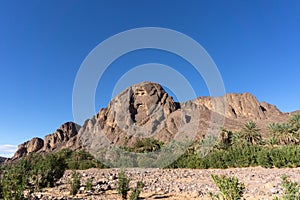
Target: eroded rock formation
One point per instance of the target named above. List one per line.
(63, 137)
(146, 110)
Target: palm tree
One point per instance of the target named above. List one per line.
(274, 133)
(237, 139)
(294, 121)
(225, 138)
(251, 134)
(283, 133)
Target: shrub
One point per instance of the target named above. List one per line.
(74, 183)
(89, 185)
(137, 191)
(14, 181)
(147, 145)
(123, 184)
(80, 160)
(48, 170)
(291, 190)
(230, 187)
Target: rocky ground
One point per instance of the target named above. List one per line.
(173, 184)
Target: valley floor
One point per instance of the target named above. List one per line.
(261, 183)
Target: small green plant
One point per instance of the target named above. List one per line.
(135, 194)
(1, 193)
(89, 185)
(230, 187)
(123, 184)
(291, 190)
(74, 183)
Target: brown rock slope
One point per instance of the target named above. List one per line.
(64, 137)
(146, 110)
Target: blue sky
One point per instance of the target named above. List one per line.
(255, 44)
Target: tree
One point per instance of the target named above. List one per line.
(225, 139)
(283, 133)
(15, 179)
(251, 134)
(294, 121)
(48, 170)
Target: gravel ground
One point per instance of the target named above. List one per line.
(174, 184)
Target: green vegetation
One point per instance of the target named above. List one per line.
(123, 187)
(137, 191)
(74, 183)
(230, 188)
(251, 134)
(291, 190)
(246, 148)
(35, 172)
(123, 184)
(145, 146)
(89, 185)
(14, 181)
(286, 133)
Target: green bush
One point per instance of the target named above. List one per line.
(48, 170)
(14, 181)
(80, 160)
(89, 185)
(230, 187)
(74, 183)
(135, 194)
(123, 184)
(242, 156)
(291, 190)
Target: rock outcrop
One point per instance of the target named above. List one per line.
(63, 137)
(140, 111)
(145, 110)
(30, 146)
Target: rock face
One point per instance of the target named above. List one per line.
(145, 110)
(30, 146)
(243, 106)
(64, 137)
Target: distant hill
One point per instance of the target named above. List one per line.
(147, 110)
(2, 159)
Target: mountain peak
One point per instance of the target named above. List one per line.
(146, 110)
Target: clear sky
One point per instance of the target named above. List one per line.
(255, 44)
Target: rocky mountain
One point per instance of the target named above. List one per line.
(146, 110)
(64, 137)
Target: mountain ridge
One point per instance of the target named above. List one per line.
(147, 107)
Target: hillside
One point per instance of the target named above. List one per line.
(146, 110)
